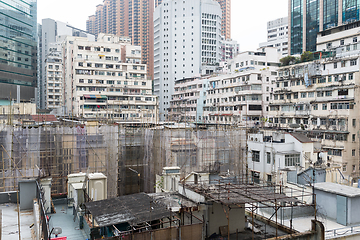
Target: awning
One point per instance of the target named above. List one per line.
(95, 96)
(335, 147)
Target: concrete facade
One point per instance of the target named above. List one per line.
(187, 38)
(106, 79)
(328, 203)
(229, 49)
(242, 96)
(187, 102)
(127, 18)
(277, 35)
(321, 98)
(271, 154)
(51, 30)
(341, 38)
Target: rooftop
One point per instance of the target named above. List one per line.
(10, 230)
(242, 193)
(338, 189)
(133, 209)
(301, 137)
(64, 219)
(173, 200)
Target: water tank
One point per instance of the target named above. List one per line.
(97, 186)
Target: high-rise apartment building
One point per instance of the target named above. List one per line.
(225, 20)
(18, 47)
(127, 18)
(228, 49)
(187, 38)
(50, 32)
(277, 35)
(106, 79)
(308, 17)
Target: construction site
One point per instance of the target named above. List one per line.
(130, 155)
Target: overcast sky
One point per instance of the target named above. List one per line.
(249, 18)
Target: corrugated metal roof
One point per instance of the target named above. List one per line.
(133, 209)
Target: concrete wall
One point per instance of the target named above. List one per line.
(285, 213)
(8, 197)
(28, 191)
(326, 204)
(217, 218)
(353, 211)
(317, 233)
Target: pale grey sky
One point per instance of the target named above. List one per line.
(249, 18)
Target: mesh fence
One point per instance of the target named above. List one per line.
(130, 157)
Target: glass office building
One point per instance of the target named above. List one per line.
(296, 29)
(18, 49)
(331, 13)
(350, 11)
(305, 20)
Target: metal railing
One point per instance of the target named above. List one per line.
(341, 232)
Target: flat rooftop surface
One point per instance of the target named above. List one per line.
(64, 219)
(10, 230)
(303, 224)
(338, 189)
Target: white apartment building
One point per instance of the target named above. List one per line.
(277, 35)
(106, 79)
(339, 38)
(243, 96)
(51, 30)
(321, 97)
(187, 38)
(270, 153)
(54, 78)
(228, 49)
(266, 57)
(187, 102)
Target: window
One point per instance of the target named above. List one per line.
(351, 76)
(268, 158)
(335, 65)
(292, 159)
(353, 152)
(353, 62)
(256, 156)
(324, 106)
(354, 122)
(344, 168)
(353, 137)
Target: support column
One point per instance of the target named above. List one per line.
(321, 16)
(340, 12)
(304, 26)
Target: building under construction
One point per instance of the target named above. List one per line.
(130, 155)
